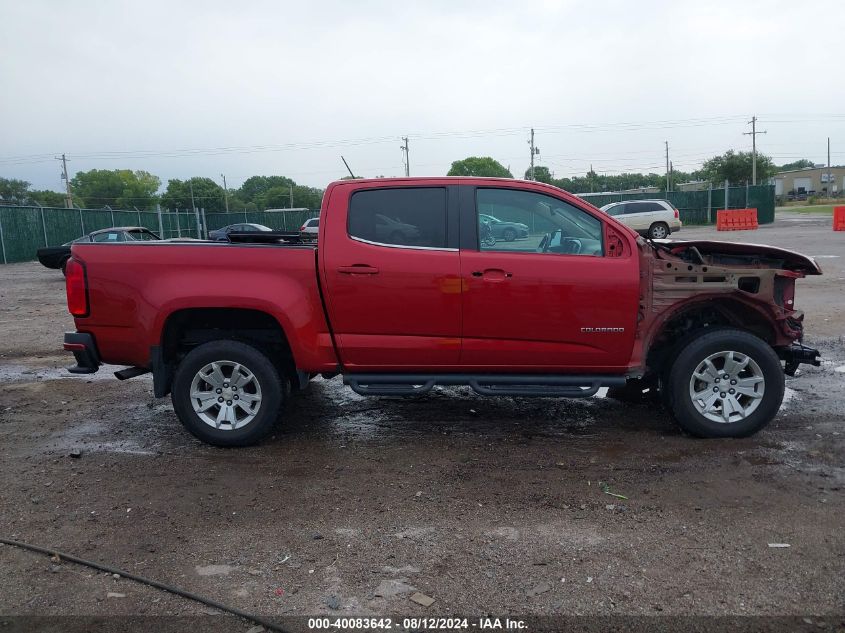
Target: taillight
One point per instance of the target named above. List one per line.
(301, 228)
(677, 213)
(77, 288)
(789, 295)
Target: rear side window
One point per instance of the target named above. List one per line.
(636, 207)
(111, 236)
(399, 217)
(644, 207)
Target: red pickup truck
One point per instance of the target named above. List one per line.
(406, 289)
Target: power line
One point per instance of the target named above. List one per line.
(550, 129)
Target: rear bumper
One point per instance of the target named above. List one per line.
(84, 351)
(797, 354)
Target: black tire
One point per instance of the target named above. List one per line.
(658, 231)
(509, 235)
(695, 352)
(265, 373)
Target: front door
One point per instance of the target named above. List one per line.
(392, 279)
(551, 301)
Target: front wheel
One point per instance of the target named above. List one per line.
(725, 383)
(509, 235)
(227, 393)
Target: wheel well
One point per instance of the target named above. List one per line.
(186, 329)
(704, 316)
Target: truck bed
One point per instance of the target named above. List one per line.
(134, 288)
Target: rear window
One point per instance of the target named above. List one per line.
(399, 217)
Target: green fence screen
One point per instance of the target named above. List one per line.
(699, 207)
(23, 230)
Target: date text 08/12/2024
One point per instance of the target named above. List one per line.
(418, 623)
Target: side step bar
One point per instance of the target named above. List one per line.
(569, 386)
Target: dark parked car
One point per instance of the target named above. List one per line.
(222, 234)
(57, 256)
(508, 231)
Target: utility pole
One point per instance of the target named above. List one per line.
(829, 177)
(68, 196)
(290, 189)
(225, 192)
(668, 179)
(535, 151)
(407, 160)
(753, 133)
(193, 204)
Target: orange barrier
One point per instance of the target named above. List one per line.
(839, 218)
(736, 219)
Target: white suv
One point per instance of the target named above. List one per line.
(654, 218)
(310, 228)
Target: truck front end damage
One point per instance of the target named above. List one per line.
(697, 284)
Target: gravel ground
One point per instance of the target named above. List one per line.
(488, 506)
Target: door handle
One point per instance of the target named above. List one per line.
(358, 269)
(492, 274)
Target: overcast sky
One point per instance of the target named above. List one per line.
(245, 88)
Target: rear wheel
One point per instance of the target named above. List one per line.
(227, 393)
(725, 383)
(658, 231)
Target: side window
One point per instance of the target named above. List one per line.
(535, 223)
(399, 217)
(110, 236)
(636, 207)
(618, 209)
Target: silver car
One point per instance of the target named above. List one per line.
(656, 219)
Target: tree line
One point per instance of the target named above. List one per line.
(127, 189)
(735, 167)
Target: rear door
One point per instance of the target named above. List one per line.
(555, 301)
(392, 277)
